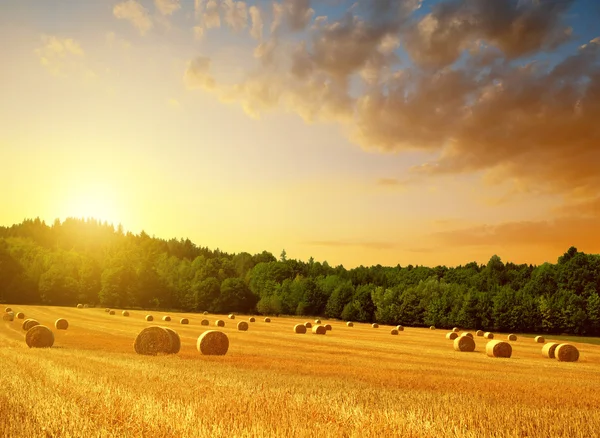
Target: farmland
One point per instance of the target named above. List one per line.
(354, 381)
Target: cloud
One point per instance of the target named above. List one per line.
(60, 56)
(135, 13)
(167, 7)
(236, 14)
(197, 74)
(211, 18)
(256, 29)
(113, 40)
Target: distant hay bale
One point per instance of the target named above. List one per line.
(107, 310)
(231, 316)
(512, 337)
(166, 318)
(488, 335)
(300, 328)
(451, 336)
(375, 325)
(432, 327)
(566, 353)
(455, 329)
(399, 328)
(28, 323)
(548, 350)
(213, 343)
(220, 323)
(80, 306)
(319, 329)
(39, 336)
(540, 339)
(393, 332)
(175, 341)
(464, 343)
(8, 309)
(20, 315)
(85, 306)
(184, 321)
(498, 349)
(152, 341)
(149, 318)
(328, 327)
(479, 332)
(205, 313)
(205, 322)
(350, 324)
(317, 321)
(125, 313)
(8, 317)
(252, 319)
(307, 325)
(470, 335)
(112, 312)
(267, 319)
(61, 324)
(242, 326)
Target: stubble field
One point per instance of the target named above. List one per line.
(353, 382)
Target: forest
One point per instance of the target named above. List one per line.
(92, 262)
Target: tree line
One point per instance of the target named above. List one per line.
(88, 261)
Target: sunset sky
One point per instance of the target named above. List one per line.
(361, 133)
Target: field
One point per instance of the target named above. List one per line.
(353, 382)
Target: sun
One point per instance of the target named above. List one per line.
(96, 201)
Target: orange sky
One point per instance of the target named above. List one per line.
(357, 135)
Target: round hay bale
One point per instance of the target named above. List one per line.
(149, 318)
(540, 339)
(300, 328)
(61, 324)
(548, 350)
(220, 323)
(432, 327)
(393, 332)
(125, 313)
(112, 312)
(451, 336)
(184, 321)
(488, 335)
(455, 329)
(375, 325)
(464, 343)
(28, 323)
(8, 317)
(231, 316)
(205, 313)
(566, 353)
(85, 306)
(512, 337)
(166, 318)
(152, 341)
(205, 322)
(267, 319)
(39, 336)
(8, 309)
(175, 341)
(350, 324)
(399, 328)
(80, 306)
(319, 330)
(470, 335)
(107, 310)
(20, 315)
(328, 327)
(498, 349)
(242, 326)
(317, 321)
(479, 332)
(252, 319)
(213, 343)
(307, 325)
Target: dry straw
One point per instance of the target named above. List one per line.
(464, 343)
(479, 332)
(20, 315)
(205, 322)
(350, 324)
(125, 313)
(267, 319)
(242, 326)
(61, 324)
(149, 318)
(166, 318)
(375, 325)
(220, 323)
(498, 349)
(512, 337)
(28, 323)
(399, 328)
(488, 335)
(231, 316)
(252, 319)
(328, 327)
(39, 336)
(470, 335)
(112, 312)
(393, 332)
(540, 339)
(317, 321)
(566, 353)
(455, 329)
(308, 325)
(8, 309)
(319, 330)
(300, 328)
(175, 341)
(152, 341)
(184, 321)
(548, 350)
(451, 336)
(213, 342)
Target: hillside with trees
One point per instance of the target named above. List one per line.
(87, 261)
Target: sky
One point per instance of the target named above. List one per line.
(357, 132)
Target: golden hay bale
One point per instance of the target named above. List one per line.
(470, 335)
(175, 341)
(149, 318)
(125, 313)
(548, 350)
(20, 315)
(479, 332)
(488, 335)
(267, 319)
(307, 325)
(242, 326)
(85, 306)
(350, 324)
(231, 316)
(319, 329)
(8, 309)
(375, 325)
(464, 343)
(112, 312)
(61, 324)
(28, 323)
(166, 318)
(152, 341)
(399, 328)
(566, 353)
(80, 306)
(39, 336)
(300, 328)
(220, 323)
(252, 319)
(540, 339)
(107, 310)
(328, 327)
(512, 337)
(184, 321)
(213, 342)
(451, 336)
(455, 329)
(393, 332)
(205, 322)
(8, 317)
(205, 313)
(317, 321)
(432, 327)
(498, 349)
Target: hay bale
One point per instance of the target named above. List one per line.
(540, 339)
(319, 330)
(307, 325)
(498, 349)
(267, 319)
(399, 328)
(328, 327)
(205, 322)
(375, 325)
(548, 350)
(242, 326)
(213, 343)
(300, 328)
(231, 316)
(61, 324)
(432, 327)
(28, 323)
(8, 309)
(317, 321)
(479, 332)
(175, 341)
(125, 313)
(107, 310)
(149, 318)
(393, 332)
(488, 335)
(220, 323)
(8, 317)
(85, 306)
(512, 337)
(112, 312)
(464, 343)
(470, 335)
(80, 306)
(39, 336)
(20, 315)
(566, 353)
(455, 329)
(166, 318)
(350, 324)
(451, 336)
(205, 313)
(184, 321)
(152, 341)
(252, 319)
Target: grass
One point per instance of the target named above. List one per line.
(352, 382)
